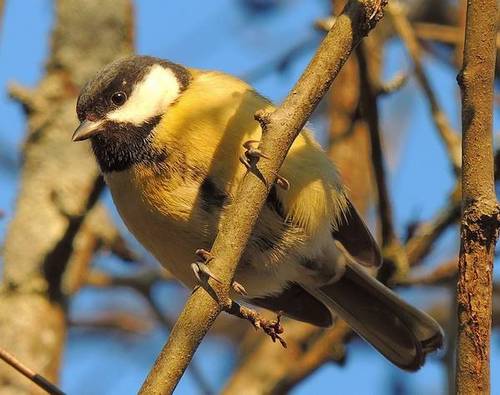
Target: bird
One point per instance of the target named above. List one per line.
(173, 144)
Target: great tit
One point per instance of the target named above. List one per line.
(168, 140)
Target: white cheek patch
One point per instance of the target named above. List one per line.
(149, 98)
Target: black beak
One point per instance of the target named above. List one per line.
(86, 130)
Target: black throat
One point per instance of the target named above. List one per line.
(121, 145)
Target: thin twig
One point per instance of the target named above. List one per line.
(393, 85)
(36, 378)
(407, 34)
(282, 62)
(279, 131)
(426, 234)
(443, 33)
(396, 262)
(441, 274)
(369, 108)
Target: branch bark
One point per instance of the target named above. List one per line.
(481, 214)
(279, 131)
(59, 184)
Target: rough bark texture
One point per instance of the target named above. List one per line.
(480, 217)
(59, 184)
(280, 129)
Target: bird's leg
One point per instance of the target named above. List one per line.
(201, 268)
(251, 157)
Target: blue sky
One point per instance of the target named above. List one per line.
(227, 36)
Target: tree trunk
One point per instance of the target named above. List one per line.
(59, 184)
(480, 217)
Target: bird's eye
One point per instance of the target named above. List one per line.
(119, 98)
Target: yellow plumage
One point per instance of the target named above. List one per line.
(207, 142)
(168, 140)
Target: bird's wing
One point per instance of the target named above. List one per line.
(356, 239)
(318, 203)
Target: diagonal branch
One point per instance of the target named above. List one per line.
(407, 34)
(36, 378)
(329, 347)
(279, 131)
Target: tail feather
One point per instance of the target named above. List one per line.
(401, 332)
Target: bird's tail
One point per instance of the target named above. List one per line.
(401, 332)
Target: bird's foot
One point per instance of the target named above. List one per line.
(252, 155)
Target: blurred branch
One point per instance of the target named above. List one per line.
(328, 348)
(113, 320)
(98, 232)
(443, 33)
(265, 366)
(282, 62)
(393, 85)
(369, 107)
(480, 214)
(279, 131)
(407, 34)
(443, 273)
(426, 234)
(143, 283)
(392, 250)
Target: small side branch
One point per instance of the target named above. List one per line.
(272, 328)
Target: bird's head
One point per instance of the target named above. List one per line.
(119, 108)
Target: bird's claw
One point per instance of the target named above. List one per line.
(239, 289)
(201, 269)
(203, 254)
(253, 154)
(282, 182)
